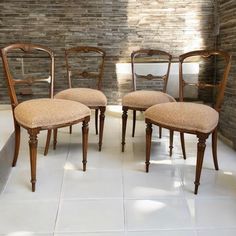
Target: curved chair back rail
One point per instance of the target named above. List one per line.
(220, 85)
(81, 51)
(150, 56)
(30, 79)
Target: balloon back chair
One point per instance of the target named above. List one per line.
(189, 117)
(37, 66)
(150, 73)
(85, 66)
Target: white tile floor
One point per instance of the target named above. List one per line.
(115, 197)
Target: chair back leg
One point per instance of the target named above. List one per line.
(148, 144)
(124, 123)
(47, 142)
(183, 145)
(85, 130)
(17, 143)
(214, 149)
(134, 123)
(101, 126)
(96, 121)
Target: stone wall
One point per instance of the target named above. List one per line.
(227, 41)
(117, 26)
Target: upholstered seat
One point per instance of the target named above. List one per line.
(183, 115)
(49, 112)
(87, 96)
(144, 98)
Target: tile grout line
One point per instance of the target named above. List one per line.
(60, 197)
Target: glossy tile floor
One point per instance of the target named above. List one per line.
(115, 197)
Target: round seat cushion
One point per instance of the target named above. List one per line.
(87, 96)
(49, 112)
(184, 115)
(145, 99)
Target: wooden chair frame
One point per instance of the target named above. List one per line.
(84, 74)
(134, 55)
(201, 136)
(33, 132)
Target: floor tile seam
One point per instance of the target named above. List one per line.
(91, 199)
(61, 188)
(7, 182)
(123, 193)
(198, 197)
(199, 228)
(87, 232)
(161, 198)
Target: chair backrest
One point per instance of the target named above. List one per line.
(27, 64)
(150, 69)
(85, 63)
(215, 57)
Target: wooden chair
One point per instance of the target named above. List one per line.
(155, 75)
(85, 64)
(188, 117)
(43, 113)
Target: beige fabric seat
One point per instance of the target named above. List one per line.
(49, 112)
(183, 115)
(87, 96)
(193, 118)
(144, 99)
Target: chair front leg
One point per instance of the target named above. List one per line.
(214, 149)
(124, 123)
(33, 143)
(200, 155)
(148, 144)
(17, 143)
(101, 126)
(85, 130)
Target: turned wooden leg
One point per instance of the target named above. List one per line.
(96, 121)
(134, 122)
(214, 149)
(101, 126)
(70, 129)
(124, 123)
(17, 143)
(171, 141)
(85, 130)
(54, 139)
(200, 155)
(183, 145)
(148, 144)
(47, 142)
(160, 131)
(33, 143)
